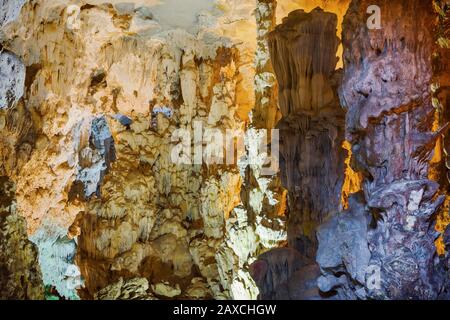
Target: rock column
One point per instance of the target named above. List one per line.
(303, 50)
(383, 248)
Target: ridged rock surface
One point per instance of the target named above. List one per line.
(93, 94)
(104, 87)
(384, 246)
(20, 274)
(303, 50)
(285, 274)
(440, 164)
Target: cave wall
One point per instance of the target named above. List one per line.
(303, 53)
(102, 199)
(439, 170)
(20, 274)
(388, 230)
(91, 95)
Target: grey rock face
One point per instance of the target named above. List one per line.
(123, 120)
(12, 73)
(343, 246)
(96, 160)
(386, 90)
(102, 140)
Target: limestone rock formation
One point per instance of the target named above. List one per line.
(386, 91)
(20, 274)
(441, 98)
(13, 79)
(439, 166)
(133, 289)
(445, 294)
(114, 118)
(343, 246)
(284, 274)
(303, 50)
(266, 113)
(91, 126)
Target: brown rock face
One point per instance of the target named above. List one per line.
(90, 148)
(303, 50)
(285, 274)
(386, 90)
(20, 275)
(441, 99)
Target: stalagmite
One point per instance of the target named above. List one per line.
(383, 248)
(303, 50)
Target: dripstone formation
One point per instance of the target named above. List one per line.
(20, 275)
(303, 50)
(101, 99)
(89, 145)
(383, 247)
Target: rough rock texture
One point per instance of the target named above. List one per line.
(266, 113)
(10, 10)
(89, 145)
(93, 93)
(445, 295)
(440, 164)
(445, 265)
(441, 98)
(284, 274)
(338, 7)
(13, 79)
(303, 50)
(20, 275)
(386, 90)
(133, 289)
(343, 246)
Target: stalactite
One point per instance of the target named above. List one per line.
(303, 50)
(383, 247)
